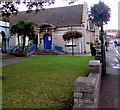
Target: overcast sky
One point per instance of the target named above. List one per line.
(113, 4)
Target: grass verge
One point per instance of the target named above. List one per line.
(43, 82)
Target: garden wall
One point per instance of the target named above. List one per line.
(86, 89)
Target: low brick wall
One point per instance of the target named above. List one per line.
(86, 89)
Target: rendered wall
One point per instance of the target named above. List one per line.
(4, 27)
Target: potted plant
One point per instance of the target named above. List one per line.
(93, 49)
(70, 35)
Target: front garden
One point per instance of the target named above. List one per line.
(43, 82)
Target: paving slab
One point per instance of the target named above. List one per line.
(109, 90)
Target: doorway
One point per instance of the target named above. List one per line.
(47, 42)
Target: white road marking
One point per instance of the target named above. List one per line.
(117, 53)
(116, 67)
(115, 59)
(117, 56)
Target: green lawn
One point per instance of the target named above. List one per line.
(43, 82)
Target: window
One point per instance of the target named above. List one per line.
(69, 43)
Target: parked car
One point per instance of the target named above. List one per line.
(110, 42)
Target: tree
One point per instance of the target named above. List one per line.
(24, 29)
(71, 35)
(17, 29)
(7, 8)
(29, 31)
(100, 15)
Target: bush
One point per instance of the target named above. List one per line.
(92, 44)
(19, 54)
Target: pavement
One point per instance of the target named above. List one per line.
(12, 60)
(109, 91)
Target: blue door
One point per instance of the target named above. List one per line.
(47, 41)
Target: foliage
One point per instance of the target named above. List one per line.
(71, 35)
(6, 9)
(36, 84)
(17, 28)
(38, 5)
(24, 28)
(100, 14)
(9, 8)
(35, 39)
(19, 53)
(92, 43)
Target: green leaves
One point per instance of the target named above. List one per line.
(24, 28)
(6, 9)
(100, 14)
(9, 7)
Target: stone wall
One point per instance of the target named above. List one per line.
(98, 53)
(86, 89)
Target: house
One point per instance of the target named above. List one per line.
(4, 35)
(54, 22)
(112, 32)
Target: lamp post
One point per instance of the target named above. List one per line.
(72, 48)
(100, 15)
(103, 59)
(72, 42)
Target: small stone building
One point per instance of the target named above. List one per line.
(54, 22)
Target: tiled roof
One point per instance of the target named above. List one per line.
(61, 16)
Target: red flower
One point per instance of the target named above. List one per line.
(71, 35)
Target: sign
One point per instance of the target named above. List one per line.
(49, 38)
